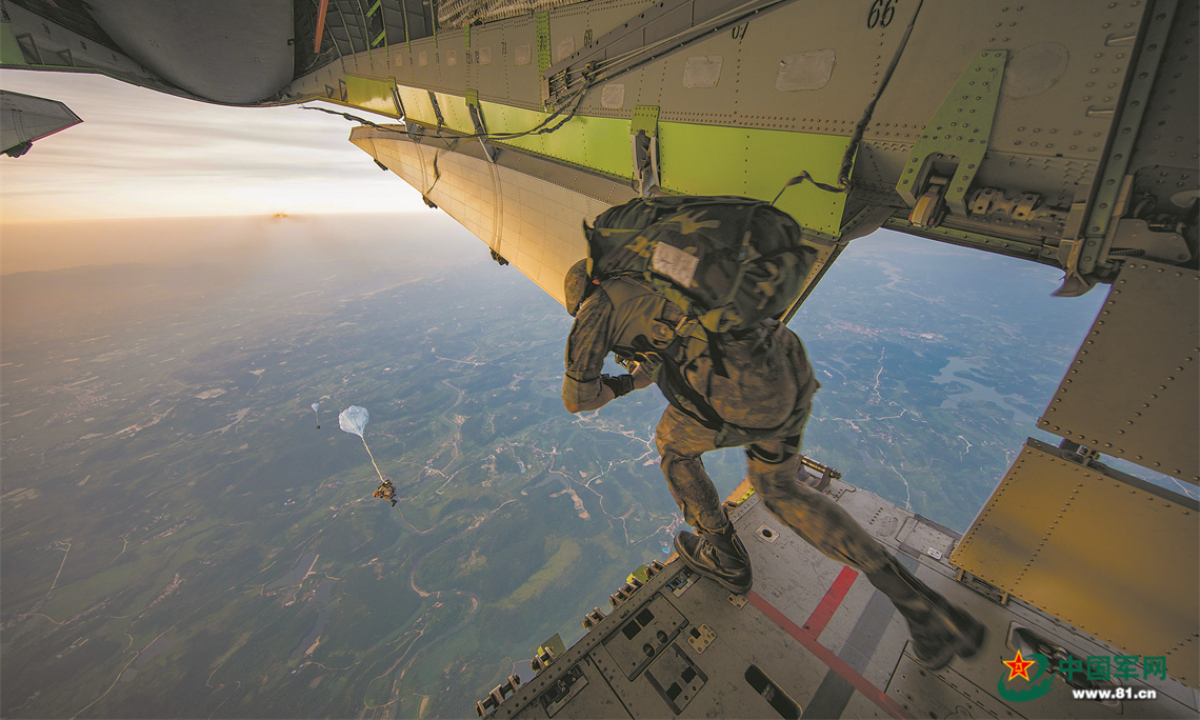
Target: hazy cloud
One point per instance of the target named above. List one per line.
(139, 153)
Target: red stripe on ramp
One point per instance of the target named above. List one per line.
(826, 656)
(829, 604)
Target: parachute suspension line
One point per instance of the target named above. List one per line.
(541, 128)
(437, 175)
(348, 116)
(667, 44)
(856, 139)
(843, 181)
(354, 421)
(574, 100)
(805, 176)
(372, 458)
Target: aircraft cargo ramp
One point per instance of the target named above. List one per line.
(814, 639)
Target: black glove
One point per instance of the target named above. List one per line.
(620, 385)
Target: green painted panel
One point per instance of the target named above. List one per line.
(695, 159)
(601, 144)
(713, 160)
(645, 117)
(608, 146)
(961, 128)
(373, 95)
(455, 113)
(10, 52)
(417, 105)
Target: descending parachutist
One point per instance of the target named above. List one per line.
(354, 421)
(387, 491)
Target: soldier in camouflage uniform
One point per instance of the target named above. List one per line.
(386, 491)
(761, 401)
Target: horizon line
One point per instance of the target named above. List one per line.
(256, 216)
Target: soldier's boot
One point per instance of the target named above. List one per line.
(939, 629)
(718, 556)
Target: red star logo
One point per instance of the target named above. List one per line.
(1019, 667)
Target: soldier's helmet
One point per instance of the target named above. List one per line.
(577, 284)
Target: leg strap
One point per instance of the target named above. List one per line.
(790, 448)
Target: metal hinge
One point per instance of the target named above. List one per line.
(953, 145)
(930, 208)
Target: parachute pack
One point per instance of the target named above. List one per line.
(729, 262)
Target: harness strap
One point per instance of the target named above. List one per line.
(676, 387)
(716, 354)
(791, 448)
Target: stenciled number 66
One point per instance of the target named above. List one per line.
(881, 13)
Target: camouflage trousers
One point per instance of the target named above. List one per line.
(770, 385)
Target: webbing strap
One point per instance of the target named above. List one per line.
(674, 386)
(716, 354)
(791, 448)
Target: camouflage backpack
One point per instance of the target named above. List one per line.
(729, 262)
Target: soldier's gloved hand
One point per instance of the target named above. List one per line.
(620, 385)
(643, 376)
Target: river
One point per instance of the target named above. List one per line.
(976, 391)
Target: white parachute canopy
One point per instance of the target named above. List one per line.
(354, 421)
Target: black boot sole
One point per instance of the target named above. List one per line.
(705, 572)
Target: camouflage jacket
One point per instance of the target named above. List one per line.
(766, 387)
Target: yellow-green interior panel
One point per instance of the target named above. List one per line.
(709, 160)
(694, 159)
(10, 52)
(601, 144)
(417, 106)
(374, 95)
(455, 113)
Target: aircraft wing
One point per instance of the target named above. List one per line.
(528, 211)
(25, 118)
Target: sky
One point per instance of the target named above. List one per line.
(73, 198)
(142, 154)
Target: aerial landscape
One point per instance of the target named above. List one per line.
(282, 432)
(180, 539)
